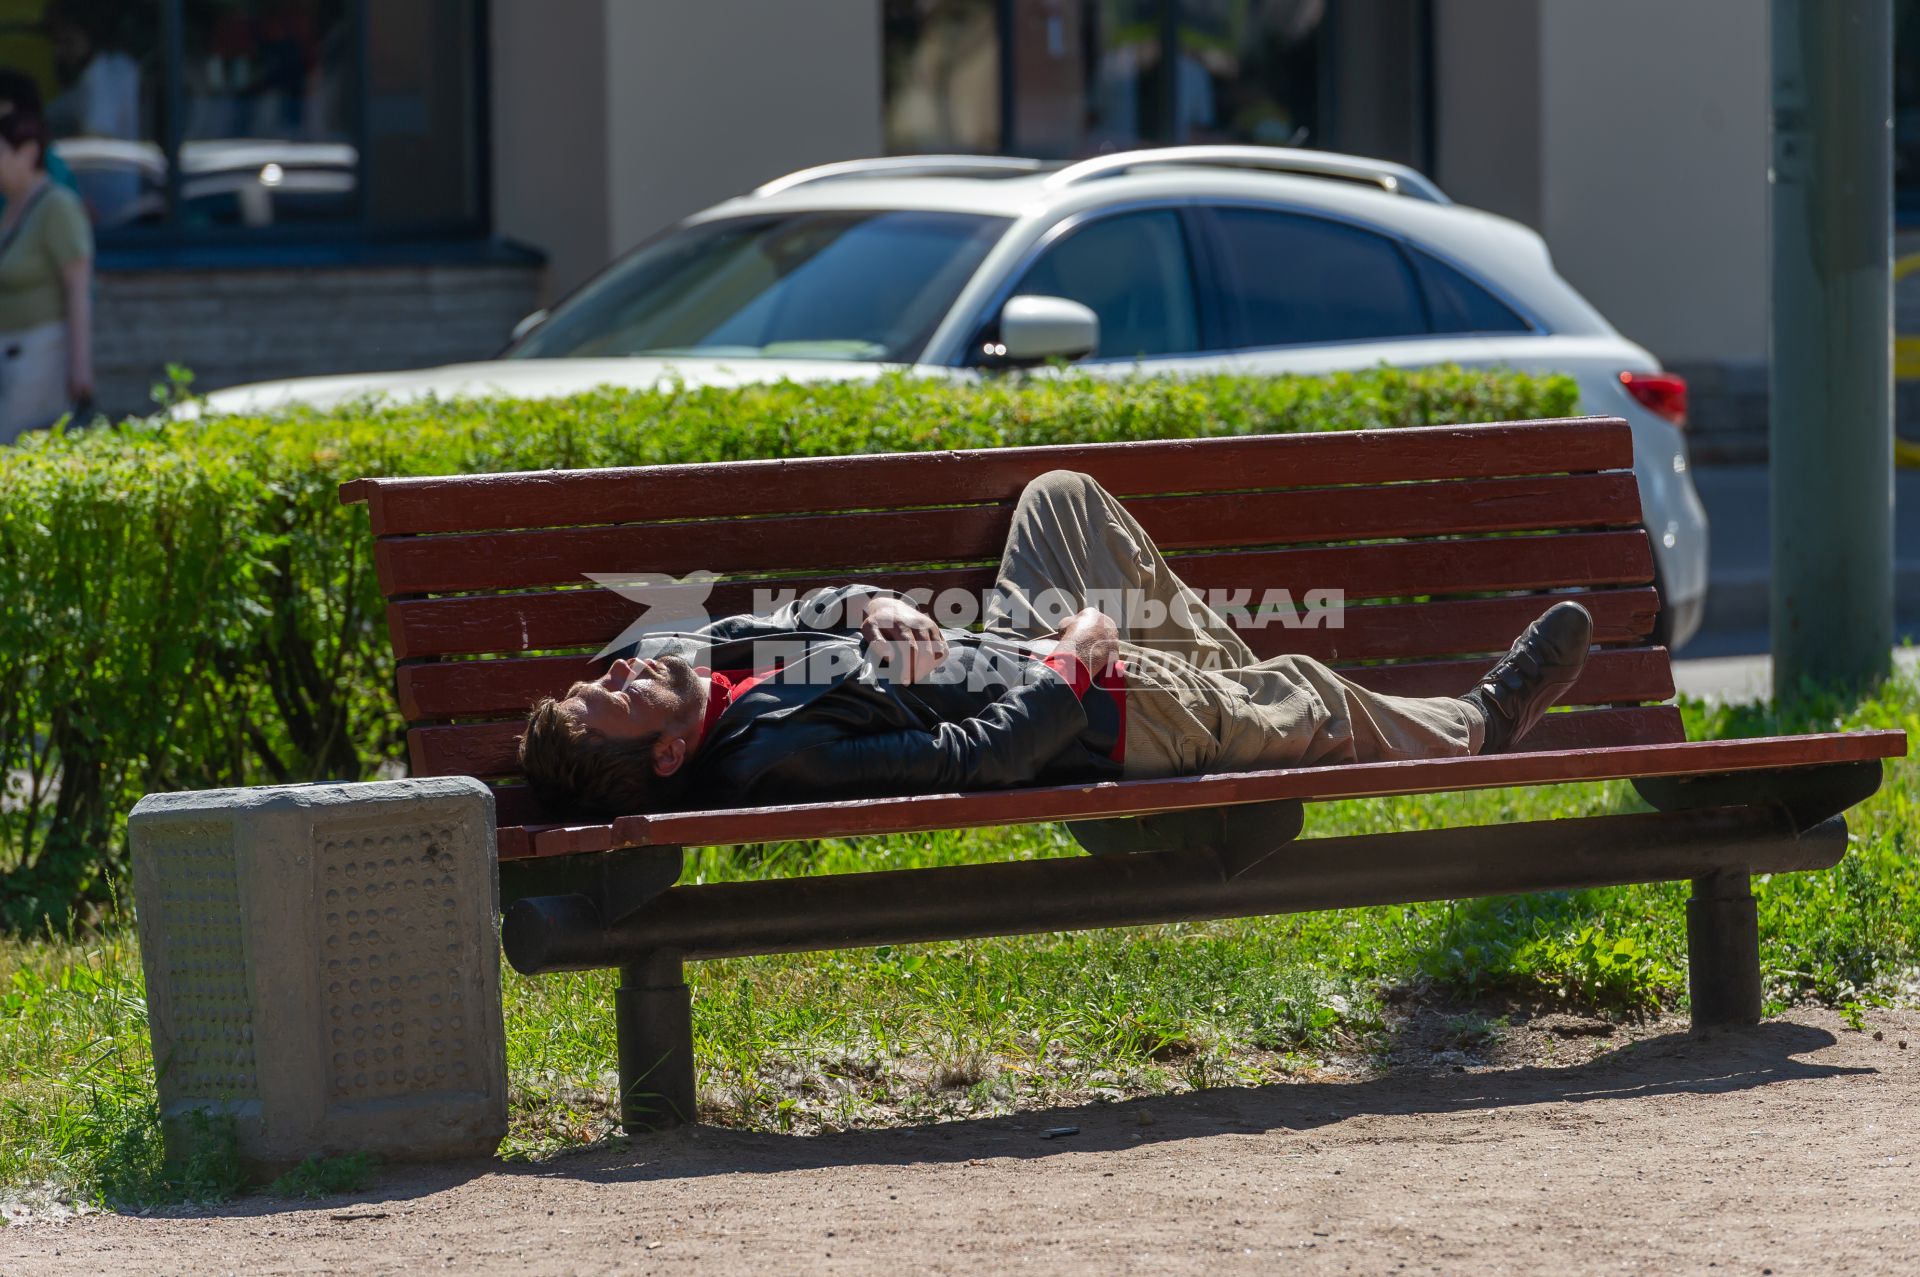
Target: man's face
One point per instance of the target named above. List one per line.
(637, 699)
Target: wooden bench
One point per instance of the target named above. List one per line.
(1442, 539)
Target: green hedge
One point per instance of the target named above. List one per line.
(187, 605)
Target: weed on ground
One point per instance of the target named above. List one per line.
(326, 1176)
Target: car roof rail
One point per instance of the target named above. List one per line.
(1395, 179)
(905, 166)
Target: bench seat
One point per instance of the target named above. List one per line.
(1769, 754)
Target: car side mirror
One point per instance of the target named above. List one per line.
(528, 324)
(1036, 329)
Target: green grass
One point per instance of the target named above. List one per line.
(826, 1041)
(326, 1176)
(78, 1109)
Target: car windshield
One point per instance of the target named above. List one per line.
(843, 284)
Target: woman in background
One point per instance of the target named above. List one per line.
(46, 278)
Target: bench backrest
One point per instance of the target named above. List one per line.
(1440, 538)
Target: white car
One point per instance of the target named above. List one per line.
(1182, 259)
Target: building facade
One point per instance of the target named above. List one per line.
(291, 186)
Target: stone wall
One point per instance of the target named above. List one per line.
(242, 325)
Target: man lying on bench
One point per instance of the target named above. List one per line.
(855, 692)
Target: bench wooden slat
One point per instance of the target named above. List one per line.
(511, 841)
(561, 555)
(529, 499)
(1311, 784)
(1454, 627)
(1612, 676)
(1606, 729)
(479, 689)
(474, 625)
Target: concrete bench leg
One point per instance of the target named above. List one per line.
(1723, 950)
(653, 1016)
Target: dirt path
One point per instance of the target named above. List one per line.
(1792, 1148)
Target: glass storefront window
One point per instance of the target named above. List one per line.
(267, 89)
(97, 69)
(1064, 79)
(941, 64)
(1906, 112)
(217, 118)
(1131, 101)
(1249, 70)
(1087, 77)
(423, 130)
(1048, 48)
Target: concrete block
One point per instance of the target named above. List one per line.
(322, 967)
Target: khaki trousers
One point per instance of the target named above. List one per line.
(1197, 698)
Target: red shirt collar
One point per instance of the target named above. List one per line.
(724, 687)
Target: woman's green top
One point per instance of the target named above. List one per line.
(53, 236)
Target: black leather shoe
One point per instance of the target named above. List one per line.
(1536, 671)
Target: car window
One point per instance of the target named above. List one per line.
(1458, 305)
(1291, 279)
(868, 284)
(1133, 271)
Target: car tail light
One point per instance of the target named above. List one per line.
(1662, 393)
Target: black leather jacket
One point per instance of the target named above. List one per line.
(827, 728)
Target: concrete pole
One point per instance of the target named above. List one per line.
(1831, 379)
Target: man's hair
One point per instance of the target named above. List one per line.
(574, 771)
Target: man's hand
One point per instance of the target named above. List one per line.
(902, 640)
(1093, 639)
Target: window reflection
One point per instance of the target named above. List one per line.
(423, 129)
(326, 113)
(1249, 70)
(1084, 77)
(266, 103)
(942, 76)
(1049, 76)
(1089, 76)
(1128, 106)
(1906, 112)
(96, 63)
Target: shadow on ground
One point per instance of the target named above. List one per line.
(1673, 1063)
